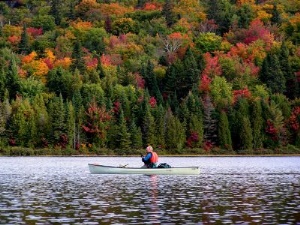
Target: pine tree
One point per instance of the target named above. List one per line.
(285, 66)
(24, 47)
(70, 124)
(148, 127)
(272, 75)
(12, 80)
(56, 11)
(246, 134)
(168, 13)
(136, 137)
(209, 121)
(257, 124)
(123, 136)
(160, 127)
(42, 120)
(224, 134)
(57, 120)
(77, 55)
(175, 133)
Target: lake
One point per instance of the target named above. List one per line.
(229, 190)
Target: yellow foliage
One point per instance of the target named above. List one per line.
(29, 58)
(114, 9)
(9, 30)
(82, 25)
(242, 2)
(50, 55)
(64, 63)
(38, 68)
(190, 9)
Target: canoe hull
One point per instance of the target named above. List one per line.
(101, 169)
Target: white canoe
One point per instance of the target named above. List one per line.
(101, 169)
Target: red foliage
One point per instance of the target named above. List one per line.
(294, 119)
(63, 141)
(271, 130)
(204, 83)
(49, 63)
(256, 31)
(207, 146)
(212, 66)
(96, 118)
(34, 31)
(298, 76)
(117, 106)
(12, 142)
(192, 139)
(152, 102)
(139, 81)
(242, 93)
(91, 63)
(105, 59)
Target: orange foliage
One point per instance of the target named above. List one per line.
(82, 25)
(14, 40)
(29, 58)
(152, 6)
(242, 2)
(113, 59)
(64, 63)
(114, 9)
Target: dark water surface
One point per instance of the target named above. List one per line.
(229, 190)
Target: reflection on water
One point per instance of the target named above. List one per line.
(228, 191)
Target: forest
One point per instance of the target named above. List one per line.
(107, 77)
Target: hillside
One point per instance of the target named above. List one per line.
(187, 76)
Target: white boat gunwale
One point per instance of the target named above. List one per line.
(103, 169)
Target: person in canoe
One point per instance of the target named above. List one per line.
(151, 158)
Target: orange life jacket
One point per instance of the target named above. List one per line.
(154, 158)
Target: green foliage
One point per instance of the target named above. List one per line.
(175, 133)
(112, 85)
(208, 42)
(224, 132)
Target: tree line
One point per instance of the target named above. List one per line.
(106, 77)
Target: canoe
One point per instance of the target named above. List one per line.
(101, 169)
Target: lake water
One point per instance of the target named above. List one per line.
(229, 190)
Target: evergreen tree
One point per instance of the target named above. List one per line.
(56, 11)
(42, 120)
(168, 13)
(12, 79)
(276, 17)
(5, 113)
(257, 124)
(272, 75)
(57, 120)
(123, 136)
(24, 47)
(285, 66)
(246, 134)
(246, 15)
(70, 124)
(209, 121)
(224, 132)
(136, 136)
(160, 127)
(77, 55)
(148, 127)
(195, 128)
(175, 133)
